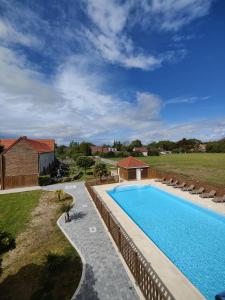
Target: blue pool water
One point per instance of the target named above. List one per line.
(192, 237)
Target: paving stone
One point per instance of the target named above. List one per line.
(105, 276)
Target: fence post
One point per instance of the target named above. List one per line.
(119, 239)
(137, 273)
(108, 220)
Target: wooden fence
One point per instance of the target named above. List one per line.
(146, 278)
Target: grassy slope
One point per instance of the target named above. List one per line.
(15, 210)
(25, 270)
(207, 167)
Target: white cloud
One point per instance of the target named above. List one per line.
(8, 34)
(187, 100)
(171, 15)
(111, 21)
(109, 36)
(73, 105)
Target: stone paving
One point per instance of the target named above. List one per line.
(104, 276)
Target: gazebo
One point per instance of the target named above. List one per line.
(131, 168)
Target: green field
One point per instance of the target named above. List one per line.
(206, 167)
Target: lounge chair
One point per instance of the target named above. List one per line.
(160, 179)
(219, 199)
(189, 188)
(180, 186)
(211, 194)
(168, 181)
(198, 192)
(173, 183)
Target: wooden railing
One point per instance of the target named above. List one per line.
(146, 278)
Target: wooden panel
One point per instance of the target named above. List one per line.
(131, 174)
(21, 160)
(20, 181)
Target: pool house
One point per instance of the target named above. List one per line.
(131, 168)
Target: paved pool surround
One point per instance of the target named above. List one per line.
(176, 282)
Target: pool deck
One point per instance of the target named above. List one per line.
(175, 281)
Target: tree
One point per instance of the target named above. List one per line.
(7, 243)
(118, 145)
(100, 170)
(136, 143)
(85, 148)
(85, 162)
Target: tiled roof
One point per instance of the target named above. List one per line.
(40, 145)
(141, 149)
(7, 142)
(131, 162)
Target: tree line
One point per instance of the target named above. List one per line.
(123, 149)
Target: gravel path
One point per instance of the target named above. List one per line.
(104, 274)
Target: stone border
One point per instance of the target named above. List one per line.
(77, 250)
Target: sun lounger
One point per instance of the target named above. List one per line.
(180, 186)
(189, 188)
(168, 181)
(219, 199)
(160, 179)
(198, 192)
(211, 194)
(173, 183)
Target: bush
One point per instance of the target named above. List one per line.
(153, 152)
(85, 162)
(44, 180)
(7, 243)
(100, 170)
(108, 154)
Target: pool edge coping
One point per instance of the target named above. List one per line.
(173, 278)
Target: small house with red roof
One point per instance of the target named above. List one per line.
(24, 159)
(131, 168)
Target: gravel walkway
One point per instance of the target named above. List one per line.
(104, 274)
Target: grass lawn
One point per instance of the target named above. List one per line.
(43, 265)
(207, 167)
(15, 210)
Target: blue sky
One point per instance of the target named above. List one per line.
(101, 70)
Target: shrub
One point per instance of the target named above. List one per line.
(66, 207)
(153, 152)
(100, 169)
(85, 162)
(7, 243)
(44, 180)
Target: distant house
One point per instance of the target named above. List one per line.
(24, 159)
(131, 168)
(143, 150)
(201, 148)
(101, 149)
(164, 152)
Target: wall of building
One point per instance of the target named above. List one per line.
(46, 160)
(130, 174)
(20, 166)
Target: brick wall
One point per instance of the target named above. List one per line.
(21, 159)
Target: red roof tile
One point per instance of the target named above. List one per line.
(40, 145)
(131, 162)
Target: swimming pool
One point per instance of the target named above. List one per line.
(192, 237)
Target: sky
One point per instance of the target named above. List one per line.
(99, 70)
